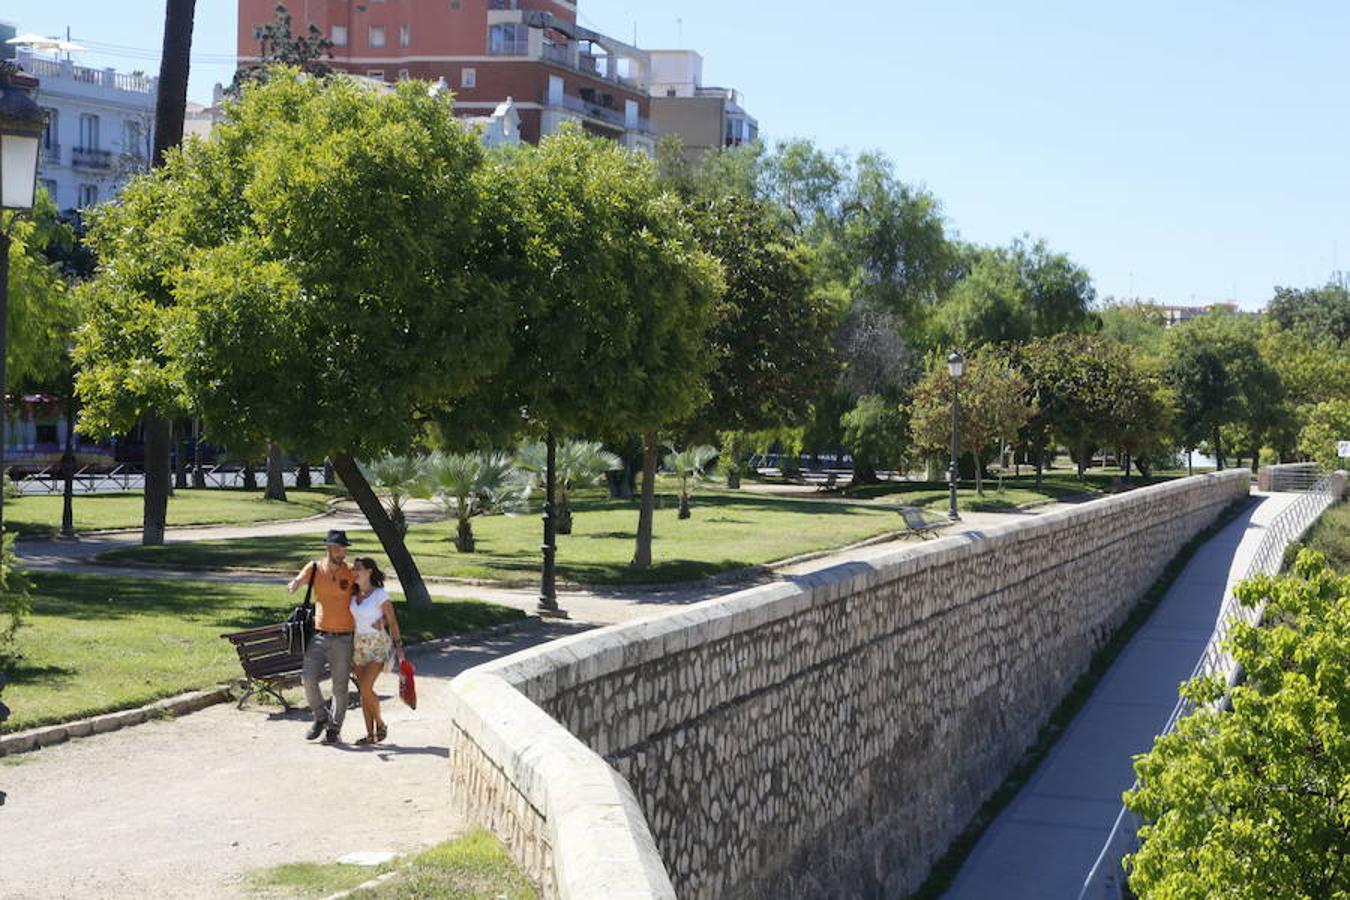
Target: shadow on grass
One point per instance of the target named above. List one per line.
(50, 676)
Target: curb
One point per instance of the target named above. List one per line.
(47, 735)
(365, 885)
(192, 701)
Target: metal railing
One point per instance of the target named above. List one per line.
(88, 480)
(90, 158)
(1106, 880)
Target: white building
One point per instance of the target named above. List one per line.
(705, 117)
(99, 128)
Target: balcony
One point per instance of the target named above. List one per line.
(89, 158)
(54, 70)
(605, 115)
(569, 57)
(51, 153)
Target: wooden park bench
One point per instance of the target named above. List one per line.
(267, 662)
(916, 523)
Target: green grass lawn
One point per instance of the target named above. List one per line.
(729, 530)
(94, 643)
(40, 515)
(473, 867)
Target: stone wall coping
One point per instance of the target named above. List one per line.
(601, 844)
(544, 671)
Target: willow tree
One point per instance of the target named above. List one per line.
(320, 251)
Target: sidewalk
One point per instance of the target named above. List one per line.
(1045, 842)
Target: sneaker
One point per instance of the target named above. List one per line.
(315, 730)
(332, 736)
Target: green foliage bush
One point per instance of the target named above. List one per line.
(15, 603)
(1252, 803)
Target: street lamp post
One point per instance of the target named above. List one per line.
(956, 367)
(21, 123)
(548, 590)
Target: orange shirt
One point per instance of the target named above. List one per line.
(333, 587)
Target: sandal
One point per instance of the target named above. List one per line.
(381, 732)
(366, 741)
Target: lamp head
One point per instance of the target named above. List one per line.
(21, 124)
(956, 364)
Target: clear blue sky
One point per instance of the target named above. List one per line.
(1177, 150)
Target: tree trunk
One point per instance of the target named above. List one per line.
(1218, 450)
(1040, 463)
(1256, 458)
(1190, 461)
(734, 478)
(198, 476)
(328, 475)
(302, 479)
(1082, 460)
(276, 474)
(1125, 459)
(68, 472)
(564, 515)
(250, 477)
(174, 64)
(979, 475)
(158, 433)
(864, 472)
(642, 556)
(464, 542)
(409, 578)
(684, 505)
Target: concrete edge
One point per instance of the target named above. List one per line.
(192, 701)
(370, 885)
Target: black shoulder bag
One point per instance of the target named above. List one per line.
(299, 628)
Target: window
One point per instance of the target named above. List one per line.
(339, 35)
(509, 39)
(403, 75)
(88, 132)
(375, 73)
(468, 78)
(376, 36)
(404, 35)
(259, 32)
(133, 139)
(88, 195)
(49, 130)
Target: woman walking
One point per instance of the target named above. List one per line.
(376, 642)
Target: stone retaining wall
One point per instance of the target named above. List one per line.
(825, 736)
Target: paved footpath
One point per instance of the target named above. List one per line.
(189, 807)
(1045, 842)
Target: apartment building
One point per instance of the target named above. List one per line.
(531, 52)
(705, 117)
(99, 128)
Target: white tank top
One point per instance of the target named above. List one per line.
(370, 611)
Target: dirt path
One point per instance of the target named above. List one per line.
(189, 807)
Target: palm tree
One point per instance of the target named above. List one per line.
(475, 484)
(398, 479)
(690, 466)
(577, 464)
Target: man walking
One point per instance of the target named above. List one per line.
(333, 627)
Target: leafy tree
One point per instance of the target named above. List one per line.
(1328, 423)
(604, 343)
(278, 45)
(876, 433)
(1013, 295)
(576, 464)
(1251, 804)
(475, 484)
(313, 275)
(42, 313)
(1316, 313)
(772, 343)
(689, 467)
(1135, 324)
(397, 478)
(1215, 365)
(995, 404)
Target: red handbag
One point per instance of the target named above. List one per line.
(407, 686)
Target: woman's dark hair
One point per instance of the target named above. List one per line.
(376, 576)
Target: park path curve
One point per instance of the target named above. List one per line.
(1044, 843)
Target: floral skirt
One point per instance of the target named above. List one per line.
(371, 647)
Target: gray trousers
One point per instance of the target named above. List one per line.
(336, 651)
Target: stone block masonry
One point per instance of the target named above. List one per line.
(826, 736)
